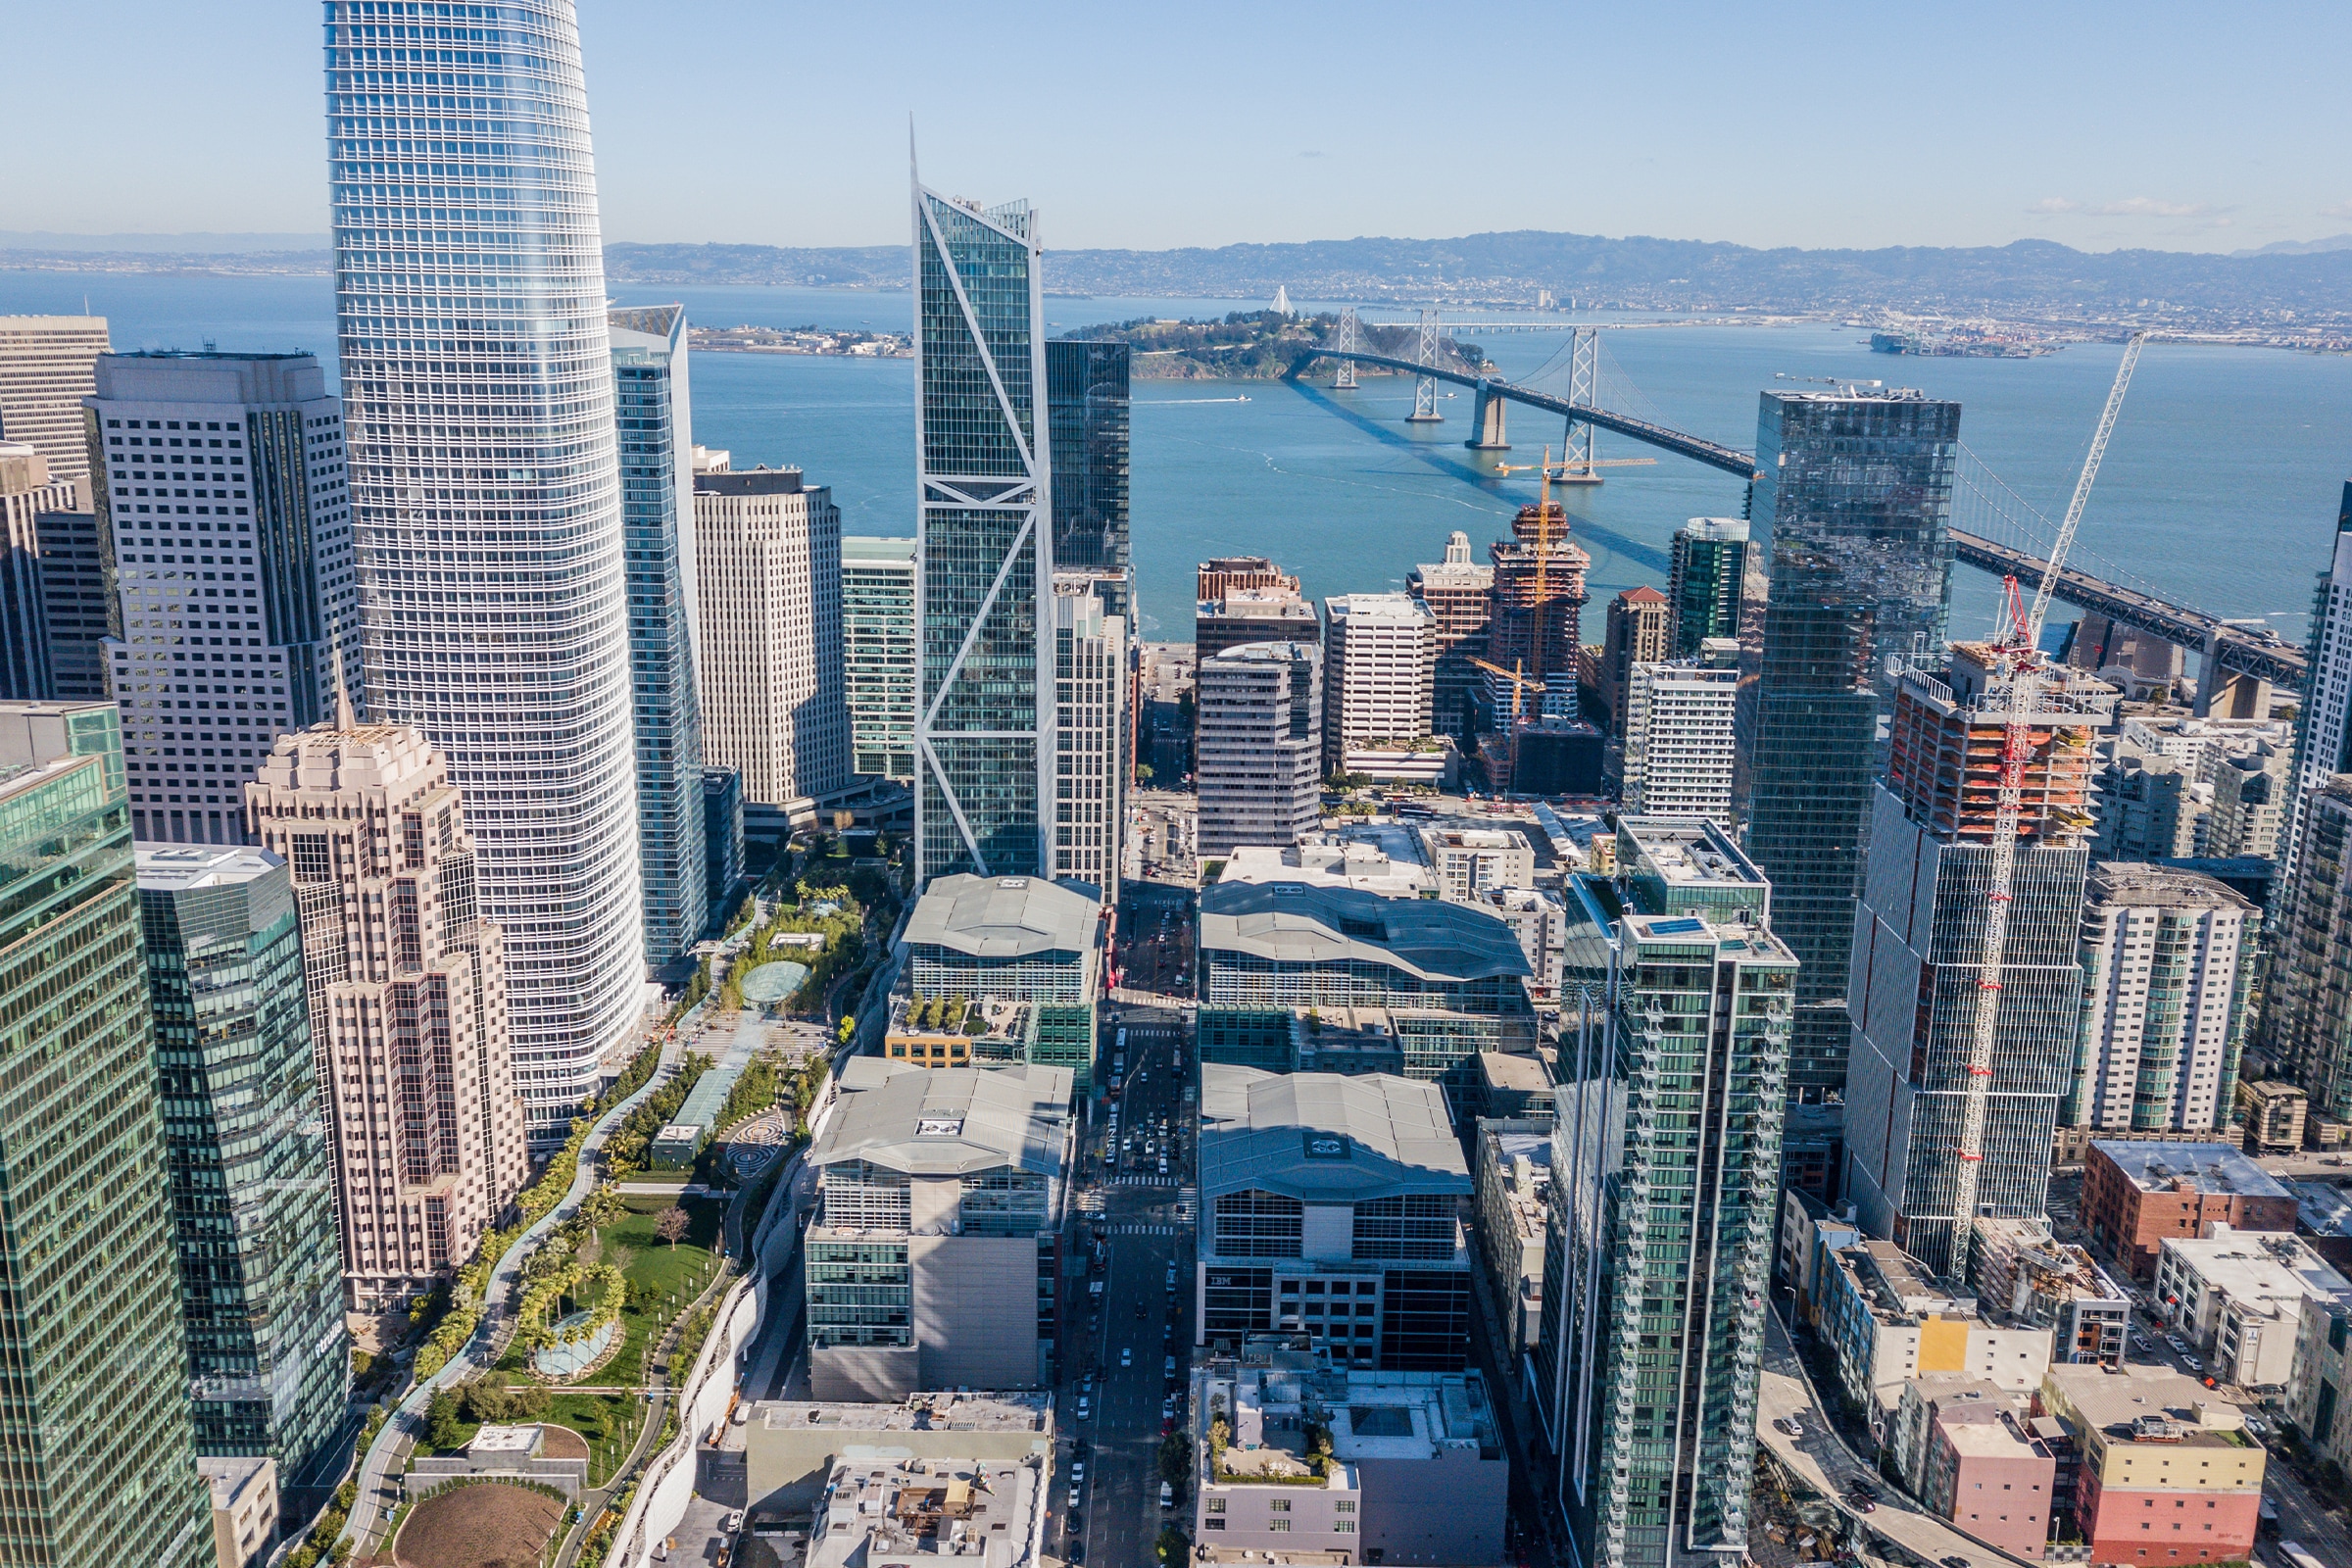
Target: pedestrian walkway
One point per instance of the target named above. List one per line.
(1150, 1230)
(1141, 1178)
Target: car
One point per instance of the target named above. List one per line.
(1954, 1562)
(1164, 1165)
(1078, 1474)
(1138, 1309)
(1169, 1368)
(1074, 1552)
(1168, 1495)
(1074, 1523)
(1086, 1406)
(1863, 1504)
(2176, 1343)
(1085, 1390)
(1126, 1355)
(1167, 1409)
(2192, 1363)
(1073, 1500)
(1782, 1424)
(1862, 1487)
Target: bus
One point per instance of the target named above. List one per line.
(2295, 1557)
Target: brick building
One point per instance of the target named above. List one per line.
(2139, 1195)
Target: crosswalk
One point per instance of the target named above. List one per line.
(1150, 1229)
(1188, 1204)
(1141, 1178)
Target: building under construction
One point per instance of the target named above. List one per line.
(1919, 949)
(1539, 596)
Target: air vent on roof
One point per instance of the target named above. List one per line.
(1012, 882)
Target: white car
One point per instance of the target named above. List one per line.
(1126, 1355)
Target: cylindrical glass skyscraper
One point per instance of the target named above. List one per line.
(478, 385)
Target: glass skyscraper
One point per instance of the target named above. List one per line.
(1709, 564)
(260, 1263)
(1087, 403)
(983, 757)
(478, 398)
(653, 418)
(95, 1434)
(1853, 502)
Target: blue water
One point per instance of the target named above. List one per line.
(2220, 487)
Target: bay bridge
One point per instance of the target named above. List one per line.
(2241, 653)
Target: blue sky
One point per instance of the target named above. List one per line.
(2177, 127)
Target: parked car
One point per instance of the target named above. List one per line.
(1126, 1355)
(1086, 1407)
(1168, 1495)
(1169, 1368)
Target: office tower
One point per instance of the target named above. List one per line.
(767, 558)
(1459, 595)
(477, 383)
(2323, 736)
(1090, 704)
(1665, 1159)
(27, 491)
(79, 604)
(1702, 590)
(935, 1257)
(1538, 598)
(409, 1009)
(878, 654)
(1260, 769)
(652, 415)
(1852, 507)
(983, 755)
(1919, 948)
(2167, 958)
(45, 371)
(1380, 655)
(723, 838)
(230, 461)
(1679, 742)
(1027, 957)
(1087, 410)
(86, 1199)
(2307, 1023)
(1241, 574)
(1244, 616)
(1639, 631)
(252, 1178)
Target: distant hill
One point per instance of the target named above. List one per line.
(2301, 247)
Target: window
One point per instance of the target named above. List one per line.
(1257, 1224)
(1279, 1505)
(1279, 1524)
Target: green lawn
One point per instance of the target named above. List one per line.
(656, 1272)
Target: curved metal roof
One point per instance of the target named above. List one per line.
(1290, 922)
(1004, 917)
(1324, 1138)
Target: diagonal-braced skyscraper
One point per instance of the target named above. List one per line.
(983, 591)
(478, 397)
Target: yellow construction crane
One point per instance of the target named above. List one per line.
(1566, 471)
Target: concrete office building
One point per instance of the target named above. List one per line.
(273, 508)
(2324, 732)
(1917, 949)
(2167, 959)
(245, 1511)
(2307, 1007)
(28, 492)
(45, 371)
(1227, 574)
(1011, 940)
(1655, 1275)
(1541, 921)
(1260, 766)
(1512, 1175)
(767, 554)
(2139, 1195)
(1417, 1473)
(80, 610)
(1886, 1320)
(2237, 1299)
(1639, 631)
(251, 1176)
(1332, 1208)
(1680, 740)
(85, 1195)
(652, 409)
(877, 650)
(1089, 731)
(935, 1257)
(1379, 660)
(1710, 559)
(792, 1451)
(429, 1146)
(1459, 595)
(1852, 507)
(486, 456)
(1466, 863)
(1246, 616)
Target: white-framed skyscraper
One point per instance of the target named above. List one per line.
(1090, 698)
(477, 385)
(2323, 736)
(983, 759)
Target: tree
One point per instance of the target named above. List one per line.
(671, 1226)
(441, 1418)
(1175, 1458)
(847, 1029)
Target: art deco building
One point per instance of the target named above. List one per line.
(408, 1001)
(485, 487)
(1639, 631)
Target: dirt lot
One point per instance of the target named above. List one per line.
(562, 1443)
(478, 1527)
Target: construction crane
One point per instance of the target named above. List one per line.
(1555, 471)
(2011, 692)
(1520, 682)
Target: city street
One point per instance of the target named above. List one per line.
(1156, 939)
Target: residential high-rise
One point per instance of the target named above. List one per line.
(1703, 589)
(1680, 740)
(26, 492)
(240, 466)
(1665, 1159)
(1260, 766)
(653, 415)
(767, 556)
(2324, 735)
(1539, 597)
(409, 1012)
(1090, 705)
(1919, 947)
(79, 608)
(252, 1179)
(86, 1195)
(984, 756)
(877, 648)
(477, 385)
(45, 373)
(1640, 629)
(1379, 667)
(2307, 1003)
(1087, 410)
(1459, 595)
(1851, 504)
(2167, 959)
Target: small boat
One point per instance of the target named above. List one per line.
(1243, 398)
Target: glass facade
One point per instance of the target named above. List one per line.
(485, 486)
(652, 415)
(877, 641)
(1709, 564)
(1086, 399)
(981, 756)
(95, 1433)
(1853, 506)
(260, 1257)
